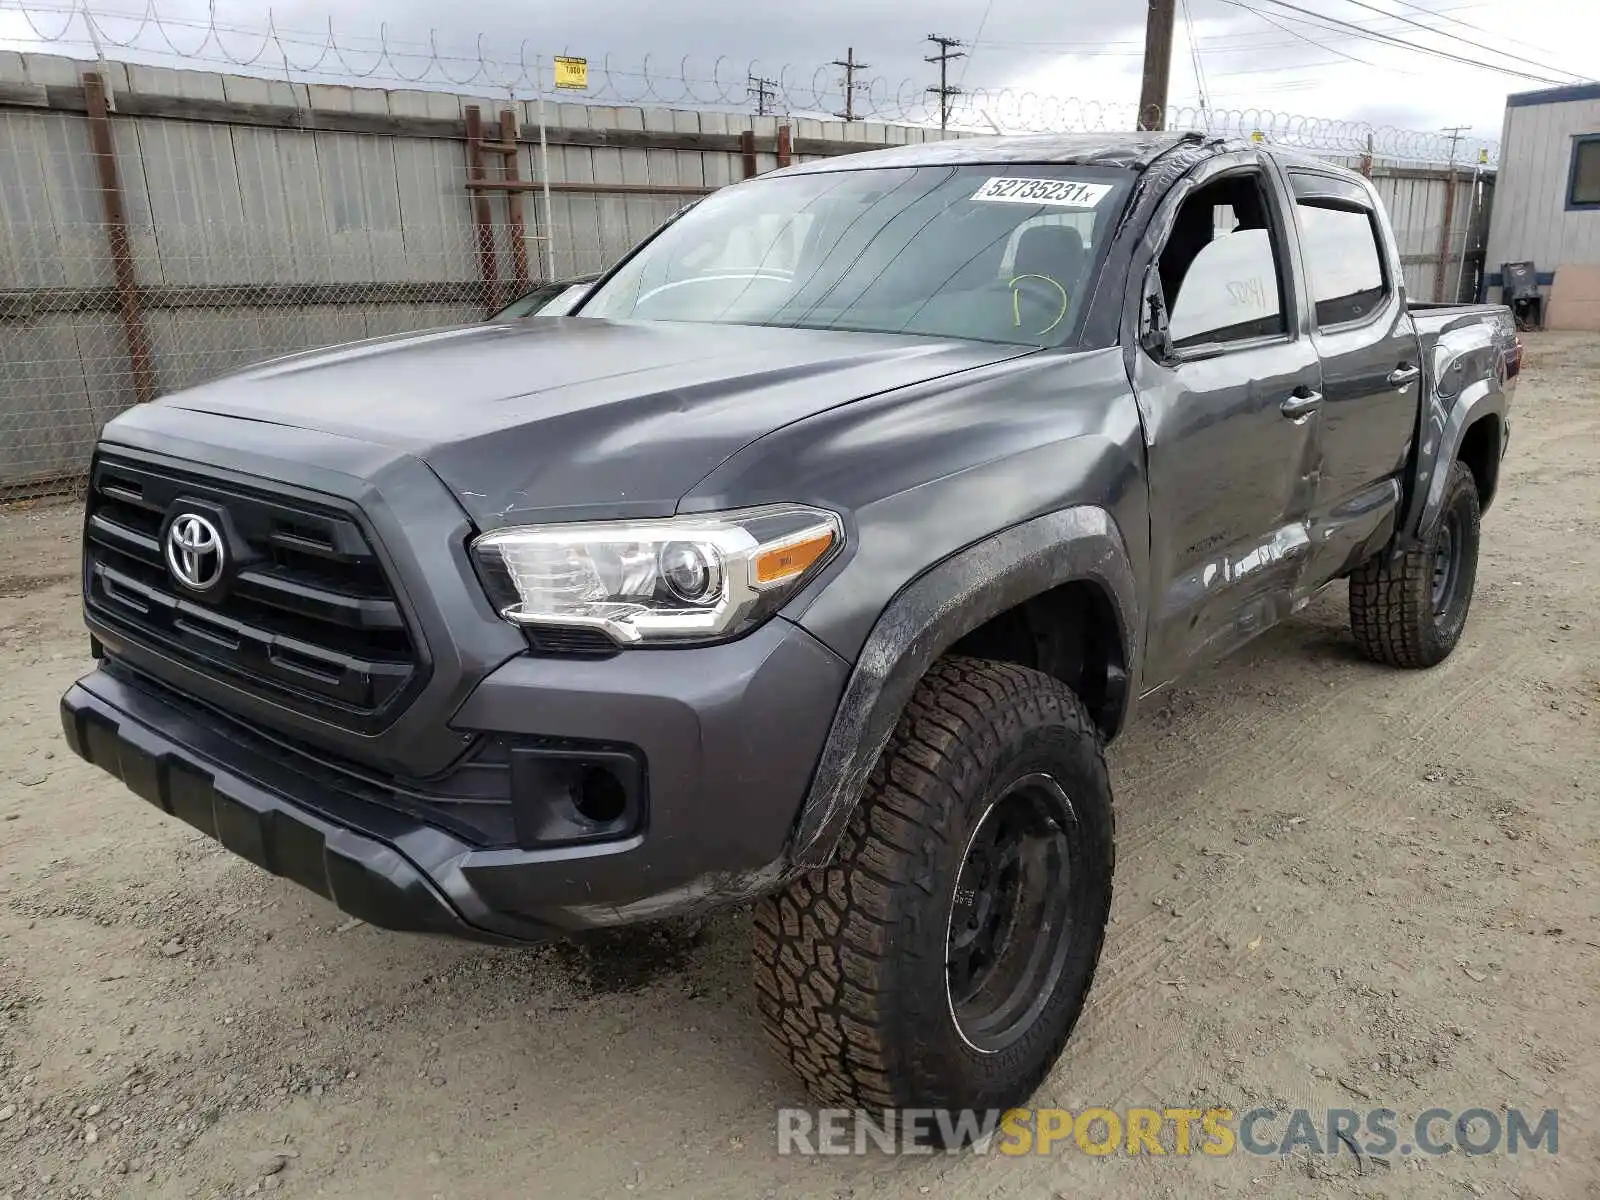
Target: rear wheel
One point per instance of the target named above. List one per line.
(943, 960)
(1410, 611)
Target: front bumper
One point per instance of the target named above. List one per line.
(727, 735)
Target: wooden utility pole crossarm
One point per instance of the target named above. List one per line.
(848, 83)
(946, 91)
(1157, 63)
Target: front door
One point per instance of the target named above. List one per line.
(1231, 419)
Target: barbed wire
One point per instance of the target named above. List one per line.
(330, 56)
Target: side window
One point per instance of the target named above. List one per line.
(1583, 180)
(1220, 269)
(1343, 262)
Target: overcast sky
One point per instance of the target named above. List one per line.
(1089, 51)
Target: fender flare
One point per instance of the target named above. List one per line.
(926, 618)
(1438, 455)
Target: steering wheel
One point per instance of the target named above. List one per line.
(1048, 296)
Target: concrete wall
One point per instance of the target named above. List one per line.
(1532, 222)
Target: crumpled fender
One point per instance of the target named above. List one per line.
(1474, 352)
(928, 616)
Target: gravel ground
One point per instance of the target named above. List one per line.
(1338, 886)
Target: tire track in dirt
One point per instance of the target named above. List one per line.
(1156, 946)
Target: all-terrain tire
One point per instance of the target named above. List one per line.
(1402, 612)
(852, 962)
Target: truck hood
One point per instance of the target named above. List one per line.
(558, 419)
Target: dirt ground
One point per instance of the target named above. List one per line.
(1338, 886)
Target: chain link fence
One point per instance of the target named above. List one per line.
(208, 249)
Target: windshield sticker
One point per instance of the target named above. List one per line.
(1063, 193)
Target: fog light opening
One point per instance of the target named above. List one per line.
(600, 796)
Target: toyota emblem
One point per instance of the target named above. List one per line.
(195, 553)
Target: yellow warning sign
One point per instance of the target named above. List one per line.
(572, 73)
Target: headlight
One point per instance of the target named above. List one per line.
(691, 578)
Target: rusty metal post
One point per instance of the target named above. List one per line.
(104, 151)
(1443, 267)
(1366, 159)
(519, 242)
(747, 147)
(785, 146)
(483, 219)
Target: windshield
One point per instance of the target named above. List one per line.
(995, 253)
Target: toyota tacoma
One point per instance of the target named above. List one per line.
(811, 562)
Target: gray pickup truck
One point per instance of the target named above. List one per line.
(812, 562)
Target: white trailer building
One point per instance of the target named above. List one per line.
(1547, 202)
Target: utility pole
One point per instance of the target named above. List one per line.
(851, 66)
(764, 92)
(1455, 132)
(946, 91)
(1157, 63)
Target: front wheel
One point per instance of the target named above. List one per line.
(943, 960)
(1409, 611)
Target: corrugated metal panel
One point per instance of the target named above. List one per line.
(1531, 221)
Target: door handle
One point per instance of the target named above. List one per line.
(1303, 403)
(1404, 375)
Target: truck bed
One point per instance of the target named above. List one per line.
(1464, 329)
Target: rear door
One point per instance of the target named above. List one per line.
(1371, 368)
(1230, 412)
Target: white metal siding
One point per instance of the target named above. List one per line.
(1531, 222)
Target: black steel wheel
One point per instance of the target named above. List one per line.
(1010, 913)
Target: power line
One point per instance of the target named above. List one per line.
(1194, 53)
(982, 21)
(1214, 45)
(1390, 39)
(1312, 42)
(1385, 38)
(1456, 37)
(1442, 14)
(946, 91)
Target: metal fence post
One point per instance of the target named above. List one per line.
(1442, 270)
(482, 218)
(104, 151)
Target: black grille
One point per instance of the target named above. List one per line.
(304, 615)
